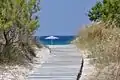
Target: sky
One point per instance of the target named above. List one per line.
(63, 17)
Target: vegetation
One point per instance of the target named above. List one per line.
(103, 39)
(96, 12)
(17, 24)
(107, 11)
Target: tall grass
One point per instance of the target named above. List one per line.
(103, 42)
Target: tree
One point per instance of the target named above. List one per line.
(16, 27)
(96, 12)
(111, 11)
(107, 11)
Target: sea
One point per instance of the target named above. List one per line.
(61, 40)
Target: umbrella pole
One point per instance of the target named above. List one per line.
(51, 41)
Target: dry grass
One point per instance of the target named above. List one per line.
(104, 45)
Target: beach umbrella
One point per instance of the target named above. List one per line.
(51, 38)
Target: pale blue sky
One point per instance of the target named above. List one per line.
(63, 17)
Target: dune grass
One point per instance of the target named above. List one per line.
(103, 42)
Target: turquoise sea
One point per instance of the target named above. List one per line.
(62, 40)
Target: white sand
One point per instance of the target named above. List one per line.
(18, 72)
(88, 69)
(54, 46)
